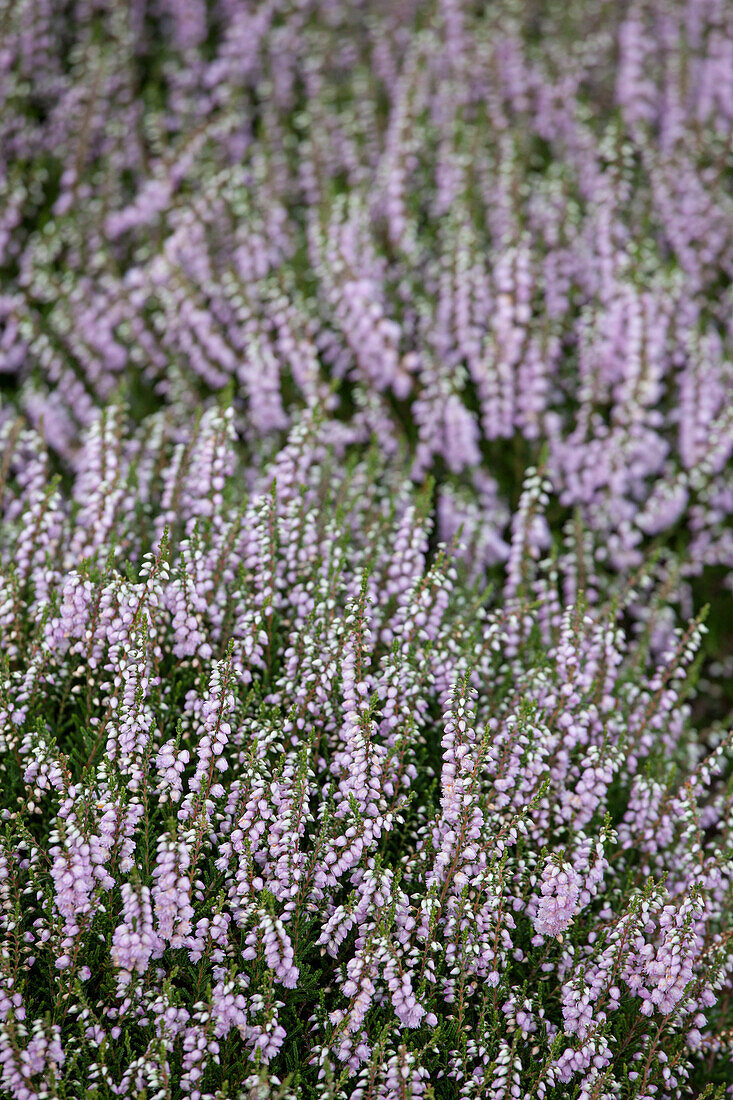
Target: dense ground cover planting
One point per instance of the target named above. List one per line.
(366, 547)
(285, 793)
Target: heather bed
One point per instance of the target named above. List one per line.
(366, 421)
(286, 799)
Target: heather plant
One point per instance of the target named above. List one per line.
(293, 808)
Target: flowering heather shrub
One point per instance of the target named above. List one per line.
(292, 810)
(495, 226)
